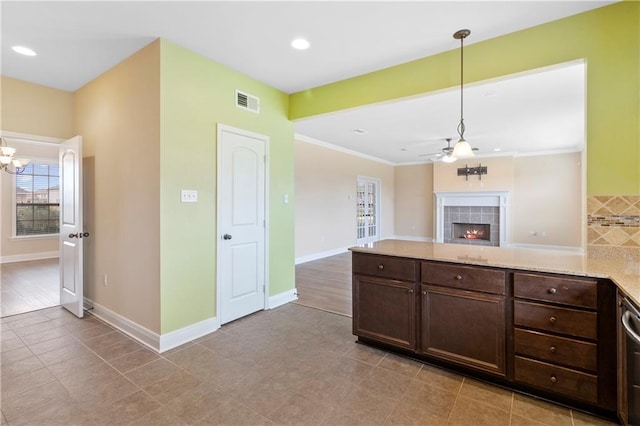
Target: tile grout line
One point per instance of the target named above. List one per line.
(456, 400)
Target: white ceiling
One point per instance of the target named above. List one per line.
(538, 113)
(77, 41)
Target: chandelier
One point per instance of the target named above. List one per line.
(8, 162)
(462, 147)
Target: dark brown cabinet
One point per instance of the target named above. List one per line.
(546, 334)
(384, 309)
(465, 327)
(564, 336)
(463, 315)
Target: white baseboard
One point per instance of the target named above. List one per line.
(321, 255)
(159, 343)
(29, 256)
(282, 298)
(579, 250)
(412, 238)
(186, 334)
(130, 328)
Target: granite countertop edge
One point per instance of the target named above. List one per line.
(620, 265)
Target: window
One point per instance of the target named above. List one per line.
(38, 199)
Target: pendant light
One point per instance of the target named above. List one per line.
(462, 148)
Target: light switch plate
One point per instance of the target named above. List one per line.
(189, 196)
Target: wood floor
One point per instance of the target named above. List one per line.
(325, 284)
(28, 286)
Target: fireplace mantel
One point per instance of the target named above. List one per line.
(473, 199)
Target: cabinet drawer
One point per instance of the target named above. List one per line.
(568, 291)
(572, 353)
(557, 379)
(384, 266)
(464, 277)
(555, 319)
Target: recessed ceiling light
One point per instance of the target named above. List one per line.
(497, 149)
(359, 131)
(24, 50)
(300, 44)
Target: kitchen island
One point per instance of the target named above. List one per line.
(538, 321)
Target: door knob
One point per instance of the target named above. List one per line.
(226, 237)
(79, 235)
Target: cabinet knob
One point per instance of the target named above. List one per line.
(381, 267)
(552, 291)
(458, 277)
(552, 349)
(410, 291)
(552, 320)
(553, 379)
(424, 292)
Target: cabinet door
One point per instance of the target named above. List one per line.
(385, 310)
(465, 327)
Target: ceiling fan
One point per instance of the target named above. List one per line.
(444, 152)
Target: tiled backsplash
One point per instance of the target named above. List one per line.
(613, 220)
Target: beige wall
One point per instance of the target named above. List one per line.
(118, 115)
(35, 109)
(547, 199)
(325, 216)
(499, 175)
(414, 201)
(546, 196)
(30, 109)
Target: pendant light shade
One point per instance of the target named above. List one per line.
(462, 147)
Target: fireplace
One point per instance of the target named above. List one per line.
(472, 218)
(471, 231)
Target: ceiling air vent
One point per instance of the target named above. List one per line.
(247, 101)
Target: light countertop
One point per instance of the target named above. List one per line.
(620, 265)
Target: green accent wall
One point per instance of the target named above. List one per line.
(607, 39)
(196, 94)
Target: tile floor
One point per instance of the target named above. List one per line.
(293, 365)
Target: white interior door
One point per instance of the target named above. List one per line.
(241, 223)
(368, 210)
(71, 230)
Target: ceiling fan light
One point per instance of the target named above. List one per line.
(462, 149)
(449, 159)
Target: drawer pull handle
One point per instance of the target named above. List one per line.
(552, 291)
(553, 379)
(381, 267)
(458, 277)
(552, 320)
(552, 349)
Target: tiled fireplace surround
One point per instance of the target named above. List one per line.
(474, 208)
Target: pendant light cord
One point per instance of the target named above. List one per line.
(461, 125)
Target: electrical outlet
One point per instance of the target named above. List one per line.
(189, 196)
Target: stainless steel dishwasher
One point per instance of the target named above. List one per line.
(630, 363)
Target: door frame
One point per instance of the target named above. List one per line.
(49, 141)
(220, 129)
(378, 182)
